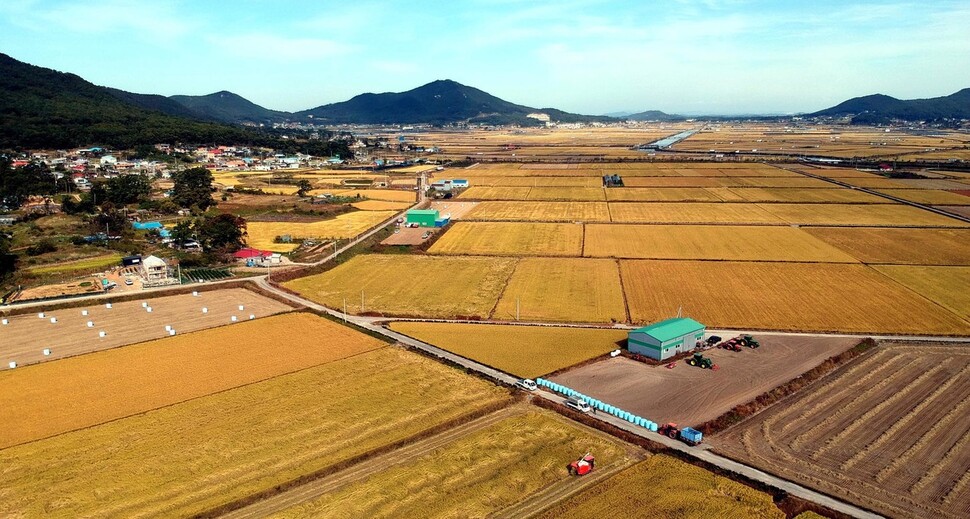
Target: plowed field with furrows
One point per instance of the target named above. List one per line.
(890, 432)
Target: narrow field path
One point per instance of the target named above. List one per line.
(364, 469)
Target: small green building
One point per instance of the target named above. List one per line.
(665, 339)
(422, 217)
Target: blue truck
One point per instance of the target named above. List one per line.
(688, 435)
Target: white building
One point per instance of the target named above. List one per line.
(154, 268)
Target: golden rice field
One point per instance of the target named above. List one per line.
(55, 397)
(894, 215)
(810, 195)
(511, 239)
(495, 193)
(422, 286)
(544, 212)
(691, 212)
(524, 351)
(390, 195)
(666, 194)
(947, 286)
(184, 459)
(782, 296)
(492, 181)
(711, 242)
(929, 196)
(380, 205)
(563, 290)
(899, 245)
(476, 475)
(343, 226)
(872, 182)
(664, 486)
(581, 194)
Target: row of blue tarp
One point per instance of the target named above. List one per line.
(599, 405)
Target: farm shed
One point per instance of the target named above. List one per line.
(459, 183)
(423, 217)
(130, 261)
(665, 339)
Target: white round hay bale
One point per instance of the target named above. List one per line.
(241, 308)
(108, 306)
(171, 332)
(41, 315)
(168, 327)
(205, 310)
(233, 318)
(195, 293)
(12, 364)
(5, 322)
(252, 316)
(90, 324)
(102, 334)
(148, 309)
(47, 351)
(53, 320)
(144, 304)
(84, 312)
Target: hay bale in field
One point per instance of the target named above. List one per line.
(47, 352)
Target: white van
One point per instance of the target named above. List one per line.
(578, 404)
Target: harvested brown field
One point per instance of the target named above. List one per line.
(56, 397)
(928, 196)
(495, 193)
(381, 205)
(884, 215)
(691, 212)
(541, 211)
(899, 245)
(184, 459)
(24, 338)
(563, 289)
(889, 431)
(782, 296)
(579, 194)
(690, 396)
(511, 239)
(451, 208)
(421, 286)
(525, 351)
(711, 242)
(665, 194)
(947, 286)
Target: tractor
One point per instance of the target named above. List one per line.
(582, 466)
(700, 360)
(749, 341)
(730, 344)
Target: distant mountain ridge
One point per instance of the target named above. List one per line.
(440, 102)
(879, 108)
(653, 115)
(231, 108)
(44, 108)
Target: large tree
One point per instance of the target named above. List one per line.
(193, 187)
(129, 189)
(8, 262)
(221, 233)
(17, 184)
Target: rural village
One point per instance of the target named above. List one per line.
(438, 303)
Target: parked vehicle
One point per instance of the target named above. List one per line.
(578, 404)
(688, 435)
(527, 384)
(582, 466)
(700, 360)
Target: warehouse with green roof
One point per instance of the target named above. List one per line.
(663, 340)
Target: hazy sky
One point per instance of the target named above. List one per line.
(684, 56)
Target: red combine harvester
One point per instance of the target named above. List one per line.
(731, 344)
(583, 465)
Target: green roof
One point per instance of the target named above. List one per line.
(671, 328)
(423, 212)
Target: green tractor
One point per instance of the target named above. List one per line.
(700, 360)
(750, 342)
